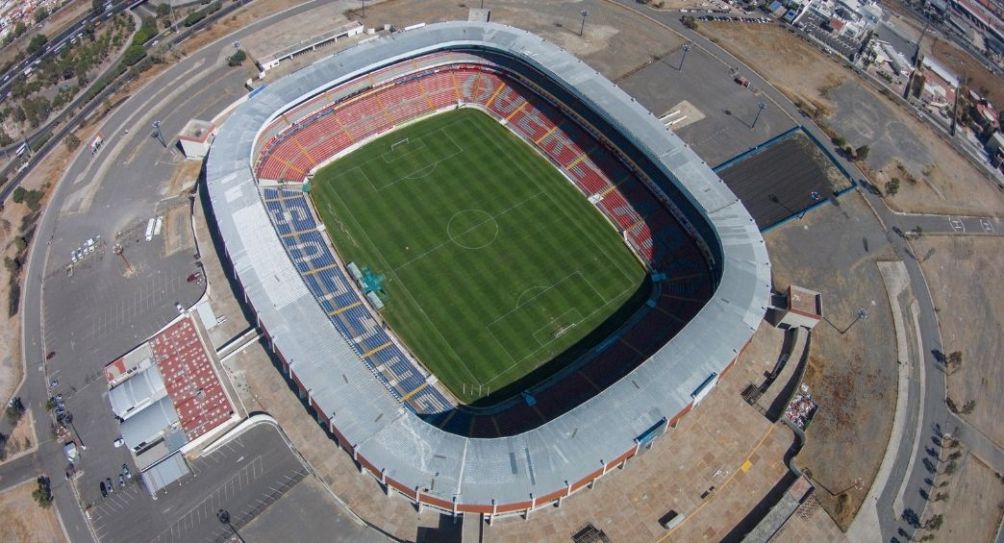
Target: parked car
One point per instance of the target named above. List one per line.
(108, 485)
(104, 490)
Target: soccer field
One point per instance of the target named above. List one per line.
(493, 263)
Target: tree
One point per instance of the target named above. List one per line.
(72, 142)
(237, 58)
(18, 195)
(163, 10)
(839, 141)
(954, 360)
(892, 186)
(41, 14)
(689, 22)
(934, 523)
(862, 152)
(97, 6)
(133, 54)
(15, 409)
(36, 44)
(42, 494)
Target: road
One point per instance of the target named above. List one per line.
(932, 418)
(102, 195)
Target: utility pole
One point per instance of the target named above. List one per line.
(582, 27)
(759, 109)
(119, 250)
(157, 134)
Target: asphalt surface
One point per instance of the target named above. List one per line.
(932, 418)
(238, 477)
(124, 195)
(106, 194)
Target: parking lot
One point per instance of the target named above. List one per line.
(730, 124)
(244, 476)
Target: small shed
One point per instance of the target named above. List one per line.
(195, 138)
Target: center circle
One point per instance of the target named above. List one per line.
(472, 228)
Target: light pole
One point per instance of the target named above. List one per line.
(759, 109)
(363, 2)
(224, 517)
(157, 134)
(582, 27)
(686, 49)
(68, 419)
(815, 197)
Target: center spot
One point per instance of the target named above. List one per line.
(472, 228)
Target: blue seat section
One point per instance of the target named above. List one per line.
(298, 213)
(336, 286)
(429, 400)
(398, 369)
(308, 251)
(274, 208)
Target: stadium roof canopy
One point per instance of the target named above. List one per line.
(392, 438)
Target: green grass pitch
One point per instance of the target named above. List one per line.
(493, 263)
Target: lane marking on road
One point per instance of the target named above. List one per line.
(957, 224)
(988, 226)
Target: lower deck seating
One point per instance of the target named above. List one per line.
(346, 115)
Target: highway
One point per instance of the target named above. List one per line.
(932, 418)
(103, 194)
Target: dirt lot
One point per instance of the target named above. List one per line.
(963, 276)
(23, 521)
(947, 182)
(23, 436)
(607, 45)
(852, 375)
(970, 502)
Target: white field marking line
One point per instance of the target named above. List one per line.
(529, 300)
(561, 209)
(441, 132)
(535, 351)
(404, 287)
(448, 240)
(558, 320)
(391, 155)
(471, 229)
(566, 217)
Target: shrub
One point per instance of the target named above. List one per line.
(42, 494)
(145, 32)
(37, 42)
(18, 195)
(892, 186)
(133, 54)
(237, 58)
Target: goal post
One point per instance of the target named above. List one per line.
(398, 142)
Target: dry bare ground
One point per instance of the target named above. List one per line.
(963, 274)
(616, 41)
(23, 521)
(851, 375)
(23, 436)
(950, 184)
(970, 502)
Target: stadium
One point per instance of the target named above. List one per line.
(545, 179)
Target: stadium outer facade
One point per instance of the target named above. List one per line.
(432, 467)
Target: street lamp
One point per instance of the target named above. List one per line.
(157, 134)
(686, 48)
(363, 2)
(224, 517)
(582, 27)
(759, 109)
(68, 419)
